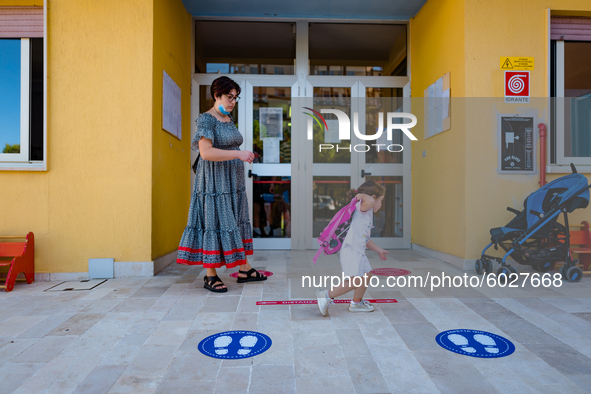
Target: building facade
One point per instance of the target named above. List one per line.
(103, 168)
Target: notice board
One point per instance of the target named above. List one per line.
(171, 106)
(517, 140)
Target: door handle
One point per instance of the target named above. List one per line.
(364, 174)
(250, 174)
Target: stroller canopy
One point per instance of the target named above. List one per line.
(555, 193)
(570, 190)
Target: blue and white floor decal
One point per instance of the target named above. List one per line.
(475, 343)
(235, 344)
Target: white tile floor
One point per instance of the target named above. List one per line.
(141, 335)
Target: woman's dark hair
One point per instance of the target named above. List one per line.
(371, 188)
(223, 85)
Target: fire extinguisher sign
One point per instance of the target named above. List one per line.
(517, 86)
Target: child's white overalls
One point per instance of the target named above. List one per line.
(353, 259)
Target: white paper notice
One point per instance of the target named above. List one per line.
(271, 122)
(439, 87)
(431, 97)
(445, 104)
(432, 122)
(271, 150)
(171, 106)
(331, 135)
(438, 118)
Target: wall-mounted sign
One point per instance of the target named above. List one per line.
(512, 63)
(515, 134)
(171, 106)
(517, 86)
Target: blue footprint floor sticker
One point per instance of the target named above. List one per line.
(475, 343)
(235, 344)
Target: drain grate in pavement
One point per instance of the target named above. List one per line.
(77, 286)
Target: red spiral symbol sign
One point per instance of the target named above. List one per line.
(516, 83)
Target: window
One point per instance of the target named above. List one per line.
(14, 97)
(21, 86)
(571, 75)
(235, 47)
(354, 49)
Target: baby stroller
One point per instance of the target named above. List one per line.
(535, 237)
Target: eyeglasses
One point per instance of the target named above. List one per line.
(232, 98)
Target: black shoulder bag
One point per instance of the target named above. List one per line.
(194, 166)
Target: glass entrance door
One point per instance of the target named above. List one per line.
(268, 134)
(340, 165)
(387, 162)
(294, 187)
(330, 177)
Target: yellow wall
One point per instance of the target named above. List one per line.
(457, 193)
(170, 156)
(438, 187)
(490, 34)
(95, 198)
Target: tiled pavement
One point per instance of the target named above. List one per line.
(141, 335)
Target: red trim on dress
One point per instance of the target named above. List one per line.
(216, 252)
(210, 252)
(211, 265)
(248, 252)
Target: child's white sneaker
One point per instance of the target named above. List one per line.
(363, 306)
(323, 301)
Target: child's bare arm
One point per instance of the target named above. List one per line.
(367, 201)
(372, 246)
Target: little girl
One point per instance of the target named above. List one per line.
(354, 262)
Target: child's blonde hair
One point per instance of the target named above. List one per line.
(371, 188)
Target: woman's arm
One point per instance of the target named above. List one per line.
(208, 152)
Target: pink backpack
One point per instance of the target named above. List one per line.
(332, 237)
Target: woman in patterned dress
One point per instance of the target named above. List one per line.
(218, 231)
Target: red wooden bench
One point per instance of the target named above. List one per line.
(23, 258)
(580, 245)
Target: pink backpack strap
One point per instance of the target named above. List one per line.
(334, 224)
(318, 253)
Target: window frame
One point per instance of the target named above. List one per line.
(560, 160)
(25, 164)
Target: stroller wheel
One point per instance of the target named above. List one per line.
(563, 271)
(513, 269)
(545, 267)
(574, 274)
(503, 274)
(487, 265)
(479, 266)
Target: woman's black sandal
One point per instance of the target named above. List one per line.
(249, 276)
(209, 284)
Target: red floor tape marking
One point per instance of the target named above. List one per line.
(377, 301)
(266, 273)
(390, 272)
